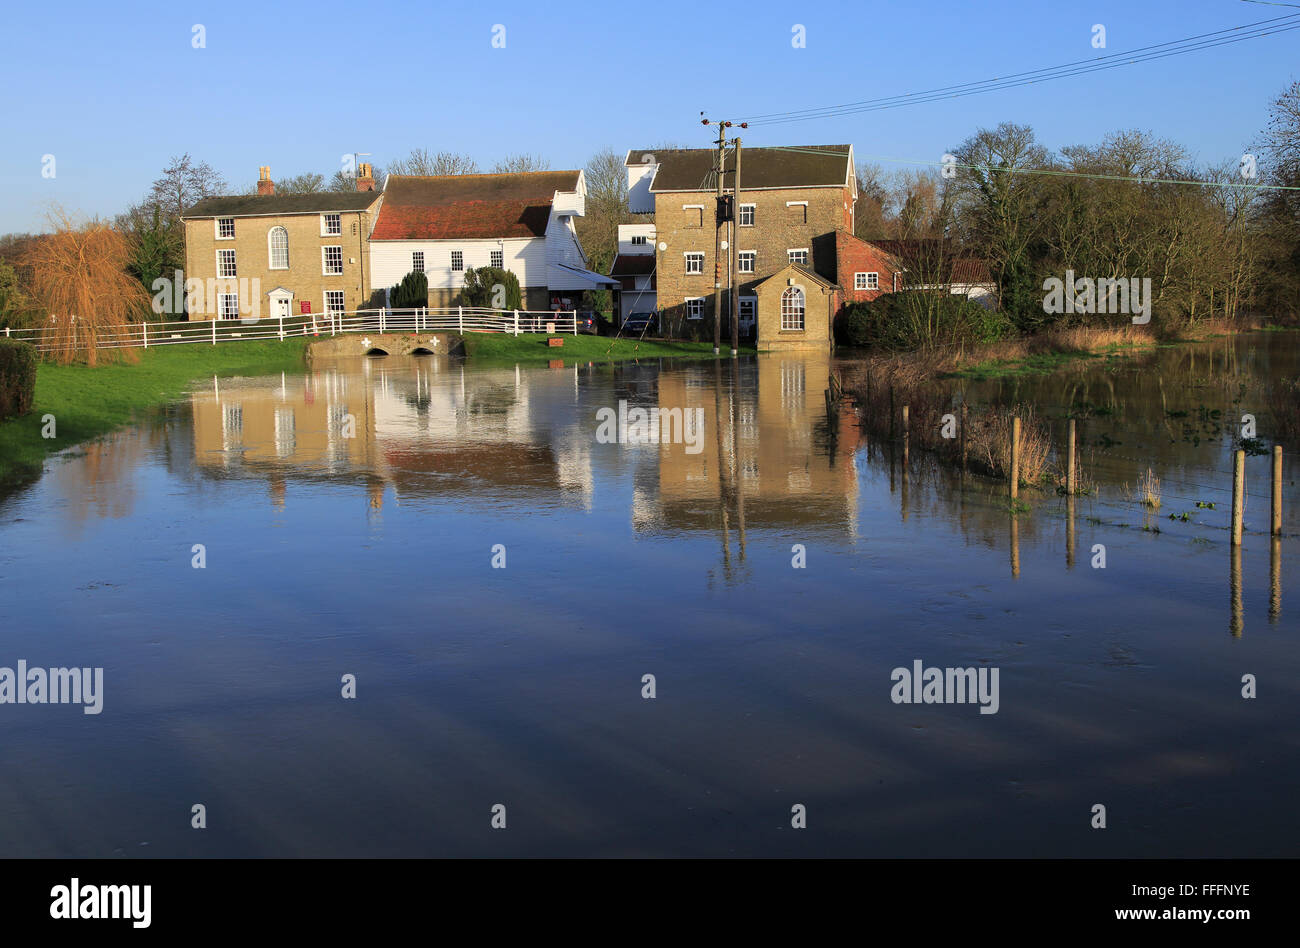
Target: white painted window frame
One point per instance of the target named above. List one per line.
(326, 304)
(234, 266)
(216, 228)
(324, 224)
(803, 309)
(753, 215)
(791, 251)
(452, 261)
(221, 306)
(753, 262)
(324, 260)
(694, 299)
(686, 265)
(417, 268)
(270, 248)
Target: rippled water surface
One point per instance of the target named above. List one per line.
(371, 555)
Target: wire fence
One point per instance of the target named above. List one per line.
(382, 321)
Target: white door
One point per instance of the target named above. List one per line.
(280, 306)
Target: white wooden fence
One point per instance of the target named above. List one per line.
(454, 319)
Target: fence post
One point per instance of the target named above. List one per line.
(575, 322)
(382, 311)
(1071, 481)
(1238, 494)
(516, 322)
(214, 331)
(6, 332)
(281, 321)
(143, 326)
(1015, 458)
(334, 323)
(1277, 490)
(460, 318)
(963, 432)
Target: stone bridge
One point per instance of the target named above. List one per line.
(354, 344)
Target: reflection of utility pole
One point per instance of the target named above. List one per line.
(738, 474)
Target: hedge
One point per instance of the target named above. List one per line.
(17, 378)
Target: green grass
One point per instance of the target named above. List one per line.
(1042, 363)
(89, 402)
(532, 348)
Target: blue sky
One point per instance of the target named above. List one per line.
(112, 91)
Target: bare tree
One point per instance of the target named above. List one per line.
(423, 162)
(307, 183)
(519, 164)
(184, 183)
(79, 281)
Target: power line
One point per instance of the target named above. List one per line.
(1079, 67)
(1047, 171)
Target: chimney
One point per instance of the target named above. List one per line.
(265, 186)
(365, 177)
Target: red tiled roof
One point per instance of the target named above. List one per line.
(469, 206)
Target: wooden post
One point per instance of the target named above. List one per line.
(891, 411)
(1277, 490)
(1238, 494)
(1071, 476)
(281, 320)
(516, 322)
(906, 424)
(143, 326)
(460, 317)
(575, 322)
(1275, 580)
(963, 434)
(734, 258)
(1015, 458)
(214, 331)
(1236, 620)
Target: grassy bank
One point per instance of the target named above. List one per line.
(531, 348)
(87, 403)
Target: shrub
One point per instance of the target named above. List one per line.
(17, 378)
(919, 319)
(492, 288)
(412, 292)
(853, 325)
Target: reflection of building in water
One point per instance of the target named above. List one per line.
(774, 443)
(421, 426)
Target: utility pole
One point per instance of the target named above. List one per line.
(719, 220)
(735, 257)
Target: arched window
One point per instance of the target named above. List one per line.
(792, 309)
(279, 242)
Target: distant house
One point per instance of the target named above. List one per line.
(523, 223)
(634, 268)
(269, 254)
(934, 264)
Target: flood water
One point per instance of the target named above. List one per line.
(371, 555)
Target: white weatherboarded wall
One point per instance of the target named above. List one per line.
(390, 260)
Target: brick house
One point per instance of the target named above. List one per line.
(789, 196)
(521, 222)
(269, 255)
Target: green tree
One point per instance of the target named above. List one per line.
(491, 288)
(411, 293)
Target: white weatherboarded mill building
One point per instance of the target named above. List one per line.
(522, 222)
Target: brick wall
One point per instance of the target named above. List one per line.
(854, 256)
(305, 276)
(777, 228)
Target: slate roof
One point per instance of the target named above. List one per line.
(632, 264)
(796, 166)
(469, 206)
(257, 205)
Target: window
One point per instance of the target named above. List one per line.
(333, 301)
(333, 258)
(225, 263)
(792, 309)
(278, 240)
(417, 261)
(745, 261)
(799, 256)
(458, 260)
(499, 259)
(747, 215)
(225, 228)
(228, 305)
(796, 212)
(695, 307)
(692, 215)
(866, 281)
(638, 240)
(694, 262)
(331, 225)
(748, 309)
